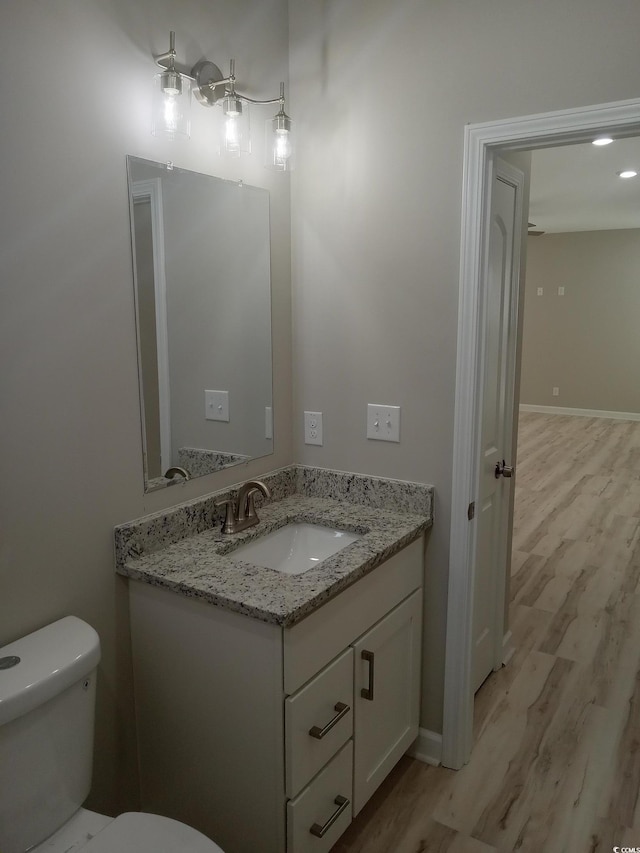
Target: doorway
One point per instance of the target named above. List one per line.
(482, 144)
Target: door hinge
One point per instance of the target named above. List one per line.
(471, 512)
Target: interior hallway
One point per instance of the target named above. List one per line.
(556, 761)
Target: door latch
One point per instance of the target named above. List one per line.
(503, 470)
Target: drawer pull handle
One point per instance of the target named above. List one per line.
(367, 692)
(342, 710)
(320, 831)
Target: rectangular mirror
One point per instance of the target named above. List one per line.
(202, 278)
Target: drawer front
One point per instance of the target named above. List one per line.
(318, 721)
(320, 814)
(321, 636)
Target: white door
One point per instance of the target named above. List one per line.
(492, 504)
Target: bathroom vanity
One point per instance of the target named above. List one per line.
(270, 707)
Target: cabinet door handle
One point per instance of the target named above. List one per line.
(367, 692)
(342, 710)
(319, 831)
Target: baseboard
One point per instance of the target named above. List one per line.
(508, 649)
(585, 413)
(427, 747)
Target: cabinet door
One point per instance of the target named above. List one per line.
(387, 695)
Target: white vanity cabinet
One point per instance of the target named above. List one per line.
(271, 739)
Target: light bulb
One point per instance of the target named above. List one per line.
(235, 138)
(171, 112)
(279, 143)
(283, 146)
(232, 135)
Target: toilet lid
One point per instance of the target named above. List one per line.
(137, 832)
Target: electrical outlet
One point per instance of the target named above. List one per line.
(383, 422)
(313, 427)
(555, 391)
(268, 422)
(216, 405)
(561, 291)
(540, 291)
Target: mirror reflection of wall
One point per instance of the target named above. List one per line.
(201, 260)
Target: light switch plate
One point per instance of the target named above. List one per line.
(216, 405)
(313, 427)
(383, 422)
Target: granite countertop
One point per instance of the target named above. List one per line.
(202, 565)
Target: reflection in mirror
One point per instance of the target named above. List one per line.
(201, 265)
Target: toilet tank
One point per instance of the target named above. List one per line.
(47, 701)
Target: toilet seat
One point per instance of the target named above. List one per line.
(132, 832)
(138, 832)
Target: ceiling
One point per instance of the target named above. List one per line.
(576, 188)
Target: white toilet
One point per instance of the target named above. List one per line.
(47, 701)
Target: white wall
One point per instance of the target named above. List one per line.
(585, 343)
(381, 92)
(75, 89)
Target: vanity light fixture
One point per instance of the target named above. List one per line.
(171, 112)
(602, 140)
(278, 143)
(209, 87)
(627, 173)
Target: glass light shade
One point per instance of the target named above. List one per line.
(278, 143)
(171, 114)
(236, 127)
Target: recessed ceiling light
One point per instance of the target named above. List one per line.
(602, 140)
(628, 173)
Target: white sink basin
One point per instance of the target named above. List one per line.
(295, 548)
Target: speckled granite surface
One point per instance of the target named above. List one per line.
(180, 550)
(160, 529)
(376, 492)
(199, 462)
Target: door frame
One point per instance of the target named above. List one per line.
(481, 143)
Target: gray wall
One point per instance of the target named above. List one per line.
(382, 92)
(586, 343)
(70, 427)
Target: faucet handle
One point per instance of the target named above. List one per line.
(230, 515)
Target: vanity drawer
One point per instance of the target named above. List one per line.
(311, 735)
(322, 812)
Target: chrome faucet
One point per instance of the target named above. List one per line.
(243, 514)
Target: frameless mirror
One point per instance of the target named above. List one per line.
(201, 268)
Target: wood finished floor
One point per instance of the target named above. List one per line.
(556, 762)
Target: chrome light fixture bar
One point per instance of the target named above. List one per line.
(211, 87)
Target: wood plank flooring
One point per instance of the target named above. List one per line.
(556, 762)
